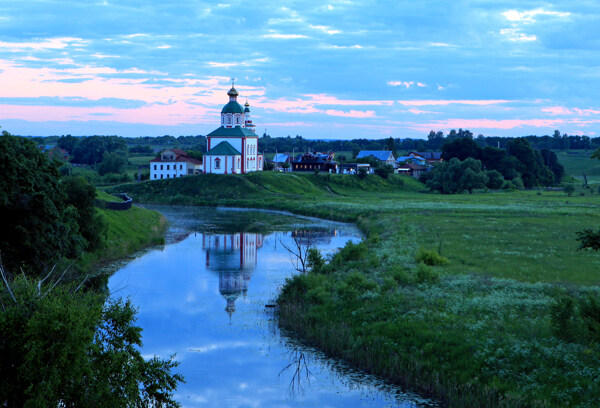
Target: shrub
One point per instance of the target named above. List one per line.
(426, 274)
(430, 257)
(569, 189)
(315, 261)
(562, 314)
(590, 314)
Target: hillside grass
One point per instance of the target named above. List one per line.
(577, 162)
(126, 233)
(490, 328)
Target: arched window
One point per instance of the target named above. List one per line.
(217, 163)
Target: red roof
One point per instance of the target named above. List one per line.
(180, 156)
(412, 166)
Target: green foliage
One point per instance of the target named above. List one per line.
(91, 150)
(82, 195)
(426, 274)
(39, 226)
(314, 260)
(430, 257)
(569, 189)
(563, 317)
(589, 239)
(384, 171)
(494, 179)
(112, 162)
(362, 173)
(456, 176)
(61, 347)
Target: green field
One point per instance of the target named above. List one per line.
(577, 162)
(503, 323)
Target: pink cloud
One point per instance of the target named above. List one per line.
(560, 110)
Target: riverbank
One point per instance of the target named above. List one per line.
(493, 327)
(127, 232)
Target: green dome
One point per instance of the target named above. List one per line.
(232, 107)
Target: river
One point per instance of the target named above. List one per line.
(204, 296)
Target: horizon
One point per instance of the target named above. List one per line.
(340, 70)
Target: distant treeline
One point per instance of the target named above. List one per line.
(89, 149)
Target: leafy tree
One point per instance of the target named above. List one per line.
(112, 163)
(569, 189)
(195, 154)
(551, 161)
(384, 171)
(391, 146)
(39, 227)
(494, 179)
(461, 149)
(362, 173)
(67, 143)
(455, 176)
(82, 195)
(62, 347)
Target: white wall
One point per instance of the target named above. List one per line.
(164, 170)
(231, 162)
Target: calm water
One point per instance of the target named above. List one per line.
(203, 296)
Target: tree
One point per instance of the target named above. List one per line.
(456, 176)
(82, 196)
(39, 227)
(384, 171)
(462, 149)
(391, 146)
(62, 347)
(112, 163)
(569, 189)
(494, 179)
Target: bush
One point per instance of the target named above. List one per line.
(430, 257)
(384, 171)
(314, 260)
(426, 274)
(569, 189)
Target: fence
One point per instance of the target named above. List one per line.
(116, 205)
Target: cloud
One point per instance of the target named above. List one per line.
(280, 36)
(325, 29)
(529, 15)
(515, 34)
(477, 124)
(43, 44)
(351, 114)
(443, 102)
(560, 110)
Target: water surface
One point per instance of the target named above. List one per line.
(203, 297)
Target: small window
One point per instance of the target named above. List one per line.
(181, 167)
(161, 176)
(155, 167)
(168, 167)
(161, 166)
(155, 176)
(217, 163)
(168, 176)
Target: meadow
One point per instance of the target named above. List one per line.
(481, 300)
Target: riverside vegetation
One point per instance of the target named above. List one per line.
(63, 342)
(481, 300)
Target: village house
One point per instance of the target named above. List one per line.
(315, 161)
(233, 147)
(282, 162)
(173, 163)
(411, 169)
(384, 156)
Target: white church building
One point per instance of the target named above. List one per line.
(233, 147)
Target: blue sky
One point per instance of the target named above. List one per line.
(330, 69)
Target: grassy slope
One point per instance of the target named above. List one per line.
(476, 332)
(127, 232)
(577, 162)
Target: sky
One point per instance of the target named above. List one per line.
(332, 69)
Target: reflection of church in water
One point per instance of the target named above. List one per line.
(233, 256)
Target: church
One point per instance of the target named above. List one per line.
(233, 147)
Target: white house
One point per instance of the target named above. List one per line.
(233, 147)
(173, 163)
